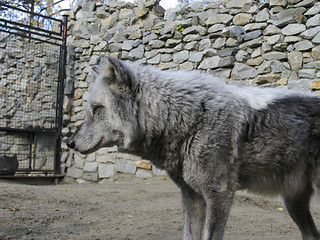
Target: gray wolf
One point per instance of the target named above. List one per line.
(210, 137)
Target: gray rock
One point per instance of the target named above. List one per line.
(125, 13)
(313, 64)
(314, 10)
(255, 26)
(316, 39)
(180, 57)
(88, 6)
(264, 68)
(158, 172)
(305, 3)
(151, 54)
(237, 3)
(74, 172)
(136, 35)
(127, 45)
(155, 44)
(172, 42)
(313, 21)
(281, 22)
(266, 47)
(310, 33)
(227, 62)
(115, 47)
(252, 35)
(154, 60)
(90, 176)
(191, 45)
(166, 57)
(210, 63)
(188, 66)
(293, 29)
(206, 14)
(303, 45)
(295, 60)
(301, 84)
(276, 66)
(236, 32)
(252, 43)
(307, 73)
(242, 56)
(218, 18)
(263, 15)
(169, 28)
(271, 29)
(90, 166)
(228, 52)
(194, 29)
(106, 170)
(288, 13)
(219, 43)
(292, 39)
(192, 37)
(125, 166)
(143, 174)
(243, 71)
(136, 53)
(216, 28)
(274, 3)
(272, 40)
(275, 56)
(204, 44)
(195, 56)
(94, 60)
(148, 38)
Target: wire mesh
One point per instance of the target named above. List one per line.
(30, 61)
(29, 82)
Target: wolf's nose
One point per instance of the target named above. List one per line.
(71, 143)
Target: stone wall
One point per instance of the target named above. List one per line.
(274, 43)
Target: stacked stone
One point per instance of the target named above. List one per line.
(272, 43)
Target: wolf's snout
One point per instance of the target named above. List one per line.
(71, 143)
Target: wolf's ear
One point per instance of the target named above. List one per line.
(118, 72)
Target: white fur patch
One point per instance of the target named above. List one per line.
(258, 98)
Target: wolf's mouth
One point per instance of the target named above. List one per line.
(99, 145)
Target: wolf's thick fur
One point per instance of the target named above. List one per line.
(211, 138)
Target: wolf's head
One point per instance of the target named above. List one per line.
(111, 114)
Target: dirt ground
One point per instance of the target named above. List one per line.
(129, 209)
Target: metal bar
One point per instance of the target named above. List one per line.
(29, 130)
(37, 39)
(31, 139)
(29, 32)
(30, 27)
(25, 11)
(62, 74)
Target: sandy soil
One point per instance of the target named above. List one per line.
(129, 209)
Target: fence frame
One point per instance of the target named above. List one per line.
(57, 38)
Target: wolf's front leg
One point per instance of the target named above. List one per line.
(217, 211)
(194, 208)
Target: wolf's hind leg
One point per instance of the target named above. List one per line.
(299, 210)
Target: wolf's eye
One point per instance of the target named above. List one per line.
(96, 109)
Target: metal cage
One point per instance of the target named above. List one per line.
(32, 73)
